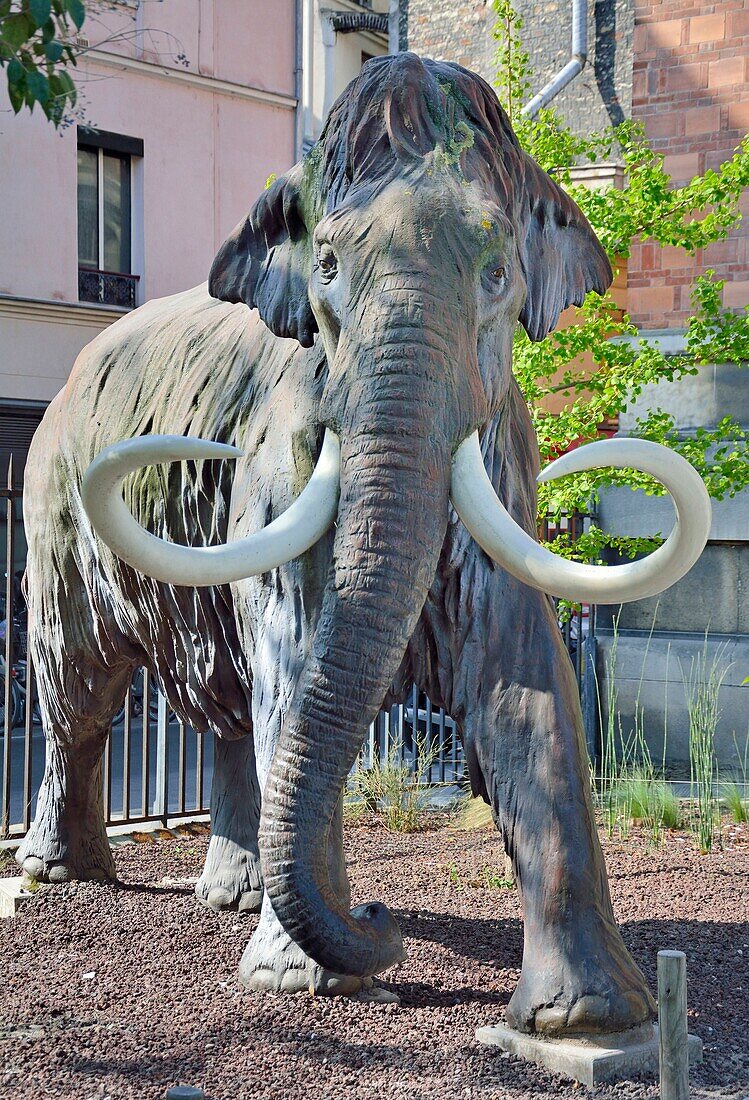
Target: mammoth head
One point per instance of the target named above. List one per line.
(396, 115)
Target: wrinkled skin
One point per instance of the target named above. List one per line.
(411, 242)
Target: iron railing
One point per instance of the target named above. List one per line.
(108, 288)
(158, 770)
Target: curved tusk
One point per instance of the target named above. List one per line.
(503, 540)
(288, 536)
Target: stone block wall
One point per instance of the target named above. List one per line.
(462, 32)
(451, 30)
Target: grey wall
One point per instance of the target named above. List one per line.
(602, 94)
(713, 597)
(462, 32)
(451, 30)
(654, 674)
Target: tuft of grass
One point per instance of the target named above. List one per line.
(650, 800)
(702, 686)
(354, 810)
(733, 790)
(7, 857)
(732, 796)
(392, 788)
(474, 814)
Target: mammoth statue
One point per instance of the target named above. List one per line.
(330, 494)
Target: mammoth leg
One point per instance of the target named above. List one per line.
(512, 688)
(68, 838)
(231, 878)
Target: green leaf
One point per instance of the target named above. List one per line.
(16, 94)
(16, 30)
(15, 71)
(40, 11)
(53, 50)
(38, 85)
(76, 11)
(66, 81)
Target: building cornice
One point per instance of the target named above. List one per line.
(58, 313)
(193, 80)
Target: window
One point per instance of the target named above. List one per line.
(105, 218)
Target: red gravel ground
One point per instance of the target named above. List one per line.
(120, 992)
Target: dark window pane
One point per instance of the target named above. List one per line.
(116, 213)
(88, 208)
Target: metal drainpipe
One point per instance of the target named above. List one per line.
(394, 33)
(575, 65)
(298, 72)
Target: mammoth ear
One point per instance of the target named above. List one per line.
(266, 262)
(562, 257)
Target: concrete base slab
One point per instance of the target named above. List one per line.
(591, 1059)
(13, 894)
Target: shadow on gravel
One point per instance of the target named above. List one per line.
(495, 942)
(423, 995)
(156, 891)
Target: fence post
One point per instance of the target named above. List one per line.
(161, 805)
(589, 695)
(10, 515)
(672, 1025)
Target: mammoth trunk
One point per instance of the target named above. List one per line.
(395, 463)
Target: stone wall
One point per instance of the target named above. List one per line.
(463, 32)
(451, 30)
(602, 95)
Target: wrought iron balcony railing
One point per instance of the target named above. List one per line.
(110, 288)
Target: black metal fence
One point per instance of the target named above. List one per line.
(156, 769)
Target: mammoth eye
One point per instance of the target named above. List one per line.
(328, 264)
(497, 272)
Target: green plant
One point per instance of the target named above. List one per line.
(630, 787)
(393, 788)
(474, 814)
(702, 684)
(494, 880)
(734, 790)
(650, 208)
(36, 50)
(648, 799)
(7, 858)
(734, 798)
(354, 809)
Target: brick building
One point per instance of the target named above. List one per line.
(691, 92)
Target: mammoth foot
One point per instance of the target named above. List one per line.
(231, 878)
(601, 992)
(273, 963)
(48, 854)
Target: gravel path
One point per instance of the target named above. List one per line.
(121, 992)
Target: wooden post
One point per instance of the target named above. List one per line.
(672, 1025)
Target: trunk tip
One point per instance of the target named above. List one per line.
(378, 918)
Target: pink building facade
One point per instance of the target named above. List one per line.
(185, 108)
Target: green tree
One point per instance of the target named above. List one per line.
(648, 207)
(36, 51)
